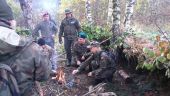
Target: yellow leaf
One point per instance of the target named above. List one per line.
(168, 56)
(163, 44)
(158, 38)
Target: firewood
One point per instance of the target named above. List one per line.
(107, 94)
(125, 76)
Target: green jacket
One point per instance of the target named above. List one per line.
(80, 49)
(69, 28)
(31, 65)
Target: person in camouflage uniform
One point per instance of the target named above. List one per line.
(31, 64)
(69, 28)
(101, 63)
(79, 49)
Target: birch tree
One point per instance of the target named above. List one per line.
(129, 13)
(116, 18)
(110, 12)
(27, 13)
(88, 12)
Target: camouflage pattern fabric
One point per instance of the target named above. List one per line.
(79, 50)
(31, 66)
(102, 65)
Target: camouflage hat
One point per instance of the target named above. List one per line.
(67, 11)
(94, 44)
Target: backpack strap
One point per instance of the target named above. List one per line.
(15, 90)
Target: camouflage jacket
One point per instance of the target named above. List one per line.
(103, 62)
(69, 28)
(46, 28)
(31, 65)
(80, 49)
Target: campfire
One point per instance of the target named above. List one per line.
(60, 76)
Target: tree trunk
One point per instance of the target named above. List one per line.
(129, 13)
(110, 12)
(27, 13)
(116, 19)
(88, 12)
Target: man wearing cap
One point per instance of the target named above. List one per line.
(79, 49)
(101, 63)
(69, 28)
(23, 56)
(47, 30)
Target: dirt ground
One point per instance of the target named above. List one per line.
(140, 85)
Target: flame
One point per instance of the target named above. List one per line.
(60, 76)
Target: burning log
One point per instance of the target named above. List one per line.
(125, 76)
(60, 76)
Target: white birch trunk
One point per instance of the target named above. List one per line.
(116, 18)
(110, 12)
(88, 12)
(129, 13)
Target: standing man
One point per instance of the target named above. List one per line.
(69, 28)
(48, 30)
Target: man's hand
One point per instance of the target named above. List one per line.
(78, 62)
(90, 74)
(82, 58)
(13, 24)
(75, 72)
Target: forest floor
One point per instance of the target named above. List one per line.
(141, 85)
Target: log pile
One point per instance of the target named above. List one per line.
(98, 90)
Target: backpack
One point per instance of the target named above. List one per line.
(8, 82)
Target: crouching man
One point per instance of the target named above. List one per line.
(79, 49)
(101, 64)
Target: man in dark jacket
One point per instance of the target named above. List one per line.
(69, 28)
(102, 65)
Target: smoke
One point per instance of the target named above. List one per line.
(50, 6)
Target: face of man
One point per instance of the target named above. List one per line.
(81, 40)
(94, 49)
(68, 15)
(46, 17)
